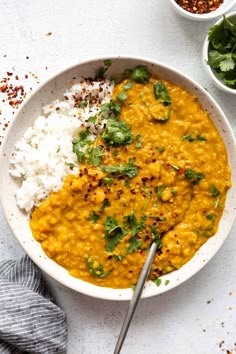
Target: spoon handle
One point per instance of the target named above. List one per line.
(136, 296)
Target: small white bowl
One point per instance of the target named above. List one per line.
(210, 72)
(222, 9)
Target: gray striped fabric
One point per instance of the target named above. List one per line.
(30, 322)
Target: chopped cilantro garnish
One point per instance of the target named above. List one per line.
(188, 137)
(157, 281)
(160, 148)
(160, 190)
(201, 137)
(108, 180)
(129, 169)
(105, 204)
(175, 167)
(93, 217)
(95, 155)
(92, 119)
(161, 93)
(134, 244)
(69, 164)
(102, 70)
(195, 177)
(134, 224)
(117, 133)
(112, 109)
(114, 233)
(128, 85)
(214, 191)
(139, 141)
(140, 74)
(121, 97)
(126, 183)
(97, 271)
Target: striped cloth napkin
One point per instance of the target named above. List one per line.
(30, 322)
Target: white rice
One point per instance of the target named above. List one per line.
(41, 156)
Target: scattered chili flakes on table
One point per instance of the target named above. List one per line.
(12, 94)
(199, 6)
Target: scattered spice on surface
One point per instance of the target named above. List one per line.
(13, 90)
(199, 6)
(209, 301)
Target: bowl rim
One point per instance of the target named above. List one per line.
(207, 67)
(207, 16)
(123, 294)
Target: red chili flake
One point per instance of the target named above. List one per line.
(3, 88)
(199, 6)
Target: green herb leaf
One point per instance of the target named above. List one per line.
(95, 155)
(102, 70)
(134, 224)
(108, 180)
(129, 169)
(114, 233)
(161, 149)
(117, 133)
(93, 217)
(201, 137)
(126, 183)
(140, 74)
(70, 164)
(134, 244)
(160, 190)
(195, 177)
(157, 281)
(188, 137)
(112, 109)
(214, 191)
(139, 143)
(121, 96)
(92, 119)
(161, 93)
(128, 85)
(98, 271)
(105, 204)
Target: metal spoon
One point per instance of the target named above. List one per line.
(136, 296)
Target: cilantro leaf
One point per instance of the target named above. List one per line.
(140, 74)
(95, 155)
(134, 244)
(122, 96)
(129, 169)
(114, 233)
(93, 217)
(97, 271)
(128, 85)
(134, 224)
(117, 133)
(112, 109)
(161, 93)
(227, 64)
(195, 177)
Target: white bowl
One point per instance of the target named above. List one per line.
(210, 72)
(222, 9)
(54, 88)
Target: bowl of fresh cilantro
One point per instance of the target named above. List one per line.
(219, 53)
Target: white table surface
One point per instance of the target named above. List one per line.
(199, 317)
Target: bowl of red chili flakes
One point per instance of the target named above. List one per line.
(202, 10)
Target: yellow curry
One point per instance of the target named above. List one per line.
(159, 173)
